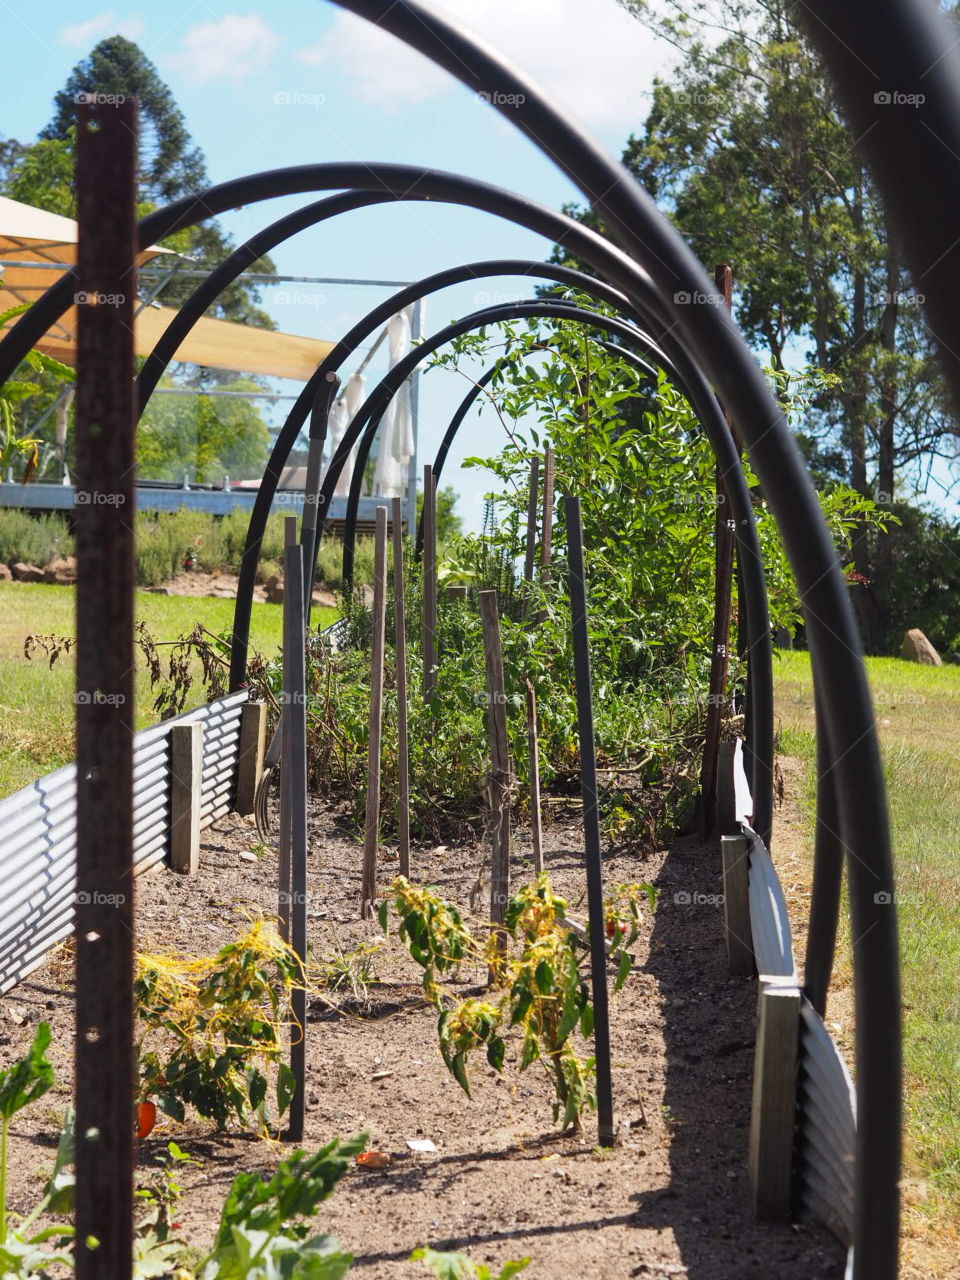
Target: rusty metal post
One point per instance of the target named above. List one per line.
(722, 599)
(105, 424)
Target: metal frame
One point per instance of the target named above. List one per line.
(907, 41)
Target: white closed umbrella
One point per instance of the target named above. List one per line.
(396, 427)
(342, 413)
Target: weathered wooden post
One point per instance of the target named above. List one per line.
(368, 891)
(400, 653)
(773, 1120)
(105, 467)
(250, 754)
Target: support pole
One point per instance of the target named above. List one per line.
(293, 804)
(722, 600)
(104, 921)
(499, 788)
(400, 654)
(591, 820)
(429, 644)
(186, 783)
(368, 892)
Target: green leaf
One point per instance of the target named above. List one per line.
(286, 1086)
(495, 1053)
(623, 970)
(586, 1021)
(544, 977)
(383, 914)
(29, 1078)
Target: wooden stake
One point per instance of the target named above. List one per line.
(293, 803)
(536, 823)
(546, 533)
(400, 650)
(531, 549)
(499, 762)
(368, 890)
(429, 643)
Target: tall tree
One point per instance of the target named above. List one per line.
(745, 150)
(171, 164)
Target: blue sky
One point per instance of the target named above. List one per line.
(300, 81)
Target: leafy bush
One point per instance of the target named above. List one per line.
(209, 1029)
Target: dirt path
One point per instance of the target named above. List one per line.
(670, 1201)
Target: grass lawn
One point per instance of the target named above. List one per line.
(918, 714)
(36, 703)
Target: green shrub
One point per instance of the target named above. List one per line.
(32, 539)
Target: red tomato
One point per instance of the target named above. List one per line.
(146, 1118)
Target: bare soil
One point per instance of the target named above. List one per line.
(671, 1199)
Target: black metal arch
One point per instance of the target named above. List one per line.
(476, 391)
(831, 628)
(714, 342)
(704, 403)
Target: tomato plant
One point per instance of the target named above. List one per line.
(209, 1029)
(538, 992)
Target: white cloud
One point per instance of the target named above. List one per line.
(84, 33)
(591, 55)
(231, 48)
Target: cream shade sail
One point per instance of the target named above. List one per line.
(36, 248)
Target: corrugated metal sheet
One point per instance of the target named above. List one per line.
(38, 829)
(743, 801)
(828, 1129)
(769, 920)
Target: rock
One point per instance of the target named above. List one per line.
(273, 589)
(62, 571)
(26, 572)
(917, 648)
(5, 574)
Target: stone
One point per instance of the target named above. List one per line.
(917, 648)
(62, 571)
(5, 574)
(273, 589)
(26, 572)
